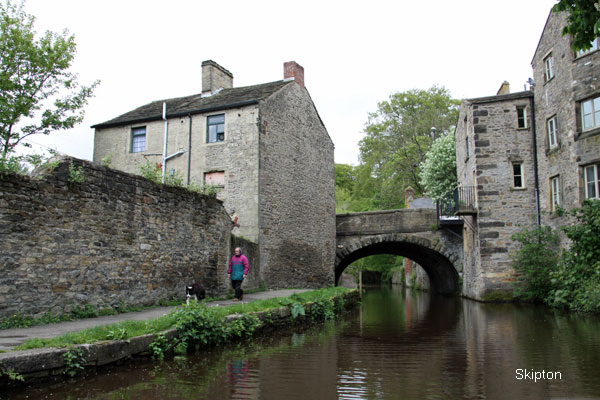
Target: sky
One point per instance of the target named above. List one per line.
(355, 54)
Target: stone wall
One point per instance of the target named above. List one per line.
(575, 79)
(297, 193)
(490, 126)
(236, 156)
(114, 239)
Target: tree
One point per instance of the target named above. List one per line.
(583, 21)
(38, 93)
(438, 171)
(398, 137)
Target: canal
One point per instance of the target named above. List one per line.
(399, 344)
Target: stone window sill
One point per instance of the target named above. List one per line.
(588, 133)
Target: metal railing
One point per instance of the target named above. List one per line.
(463, 202)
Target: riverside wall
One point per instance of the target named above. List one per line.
(113, 239)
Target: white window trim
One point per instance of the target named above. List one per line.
(555, 192)
(595, 45)
(595, 124)
(548, 67)
(596, 181)
(522, 174)
(552, 132)
(522, 109)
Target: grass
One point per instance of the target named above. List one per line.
(128, 329)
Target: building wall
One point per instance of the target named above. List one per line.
(575, 78)
(114, 239)
(502, 209)
(297, 193)
(236, 156)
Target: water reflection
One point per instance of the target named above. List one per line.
(398, 344)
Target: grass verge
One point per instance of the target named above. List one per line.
(128, 329)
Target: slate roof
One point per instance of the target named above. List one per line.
(195, 104)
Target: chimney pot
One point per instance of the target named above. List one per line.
(292, 69)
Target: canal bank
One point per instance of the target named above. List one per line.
(55, 363)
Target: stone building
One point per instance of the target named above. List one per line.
(525, 154)
(266, 150)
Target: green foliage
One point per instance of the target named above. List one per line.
(438, 171)
(118, 333)
(107, 160)
(577, 280)
(323, 309)
(583, 21)
(386, 264)
(534, 262)
(199, 325)
(11, 374)
(75, 174)
(38, 94)
(158, 347)
(86, 311)
(153, 172)
(74, 360)
(570, 279)
(398, 137)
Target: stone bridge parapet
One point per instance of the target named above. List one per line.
(411, 233)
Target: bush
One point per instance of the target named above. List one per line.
(534, 262)
(577, 281)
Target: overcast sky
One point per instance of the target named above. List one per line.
(354, 54)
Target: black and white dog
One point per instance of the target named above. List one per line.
(195, 291)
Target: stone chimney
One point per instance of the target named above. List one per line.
(215, 77)
(504, 88)
(292, 69)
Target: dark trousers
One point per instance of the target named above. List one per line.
(237, 286)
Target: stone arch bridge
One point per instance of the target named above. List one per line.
(412, 233)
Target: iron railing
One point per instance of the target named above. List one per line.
(462, 203)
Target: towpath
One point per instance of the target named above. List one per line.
(10, 338)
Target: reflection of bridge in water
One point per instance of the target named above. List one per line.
(410, 233)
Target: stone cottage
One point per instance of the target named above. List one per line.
(264, 148)
(526, 154)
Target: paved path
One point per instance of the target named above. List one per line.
(10, 338)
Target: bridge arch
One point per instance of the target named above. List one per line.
(438, 260)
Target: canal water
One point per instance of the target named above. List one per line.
(399, 344)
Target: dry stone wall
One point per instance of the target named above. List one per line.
(113, 239)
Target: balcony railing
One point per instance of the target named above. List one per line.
(463, 203)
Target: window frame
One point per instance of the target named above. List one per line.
(219, 136)
(555, 193)
(595, 121)
(135, 133)
(552, 134)
(520, 176)
(595, 182)
(523, 110)
(548, 67)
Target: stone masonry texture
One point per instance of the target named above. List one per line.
(296, 192)
(113, 239)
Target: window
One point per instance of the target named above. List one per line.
(590, 113)
(518, 181)
(467, 146)
(138, 139)
(592, 181)
(548, 68)
(594, 47)
(215, 128)
(555, 192)
(521, 117)
(552, 127)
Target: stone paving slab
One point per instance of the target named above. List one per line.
(10, 338)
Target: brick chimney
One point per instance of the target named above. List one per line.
(292, 69)
(215, 77)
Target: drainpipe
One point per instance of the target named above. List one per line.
(164, 155)
(535, 163)
(189, 150)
